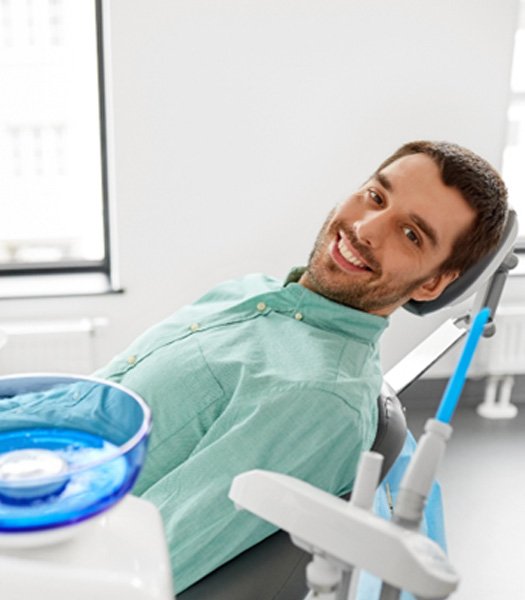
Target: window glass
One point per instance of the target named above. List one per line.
(52, 201)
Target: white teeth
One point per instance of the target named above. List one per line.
(349, 256)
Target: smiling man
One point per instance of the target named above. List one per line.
(257, 374)
(285, 377)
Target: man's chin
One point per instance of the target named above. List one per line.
(358, 297)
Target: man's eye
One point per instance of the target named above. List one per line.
(411, 235)
(375, 197)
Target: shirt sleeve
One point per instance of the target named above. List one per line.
(310, 434)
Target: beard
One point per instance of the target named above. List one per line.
(370, 291)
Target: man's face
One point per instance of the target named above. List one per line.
(384, 245)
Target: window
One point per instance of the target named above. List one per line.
(514, 155)
(53, 209)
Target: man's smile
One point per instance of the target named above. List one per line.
(346, 256)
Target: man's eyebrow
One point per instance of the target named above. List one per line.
(424, 225)
(426, 228)
(384, 181)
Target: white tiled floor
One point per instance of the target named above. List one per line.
(483, 483)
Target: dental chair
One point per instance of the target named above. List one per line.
(274, 569)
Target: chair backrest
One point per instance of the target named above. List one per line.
(391, 429)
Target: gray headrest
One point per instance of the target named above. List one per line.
(474, 278)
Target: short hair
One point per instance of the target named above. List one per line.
(479, 184)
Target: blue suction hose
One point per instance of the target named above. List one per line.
(457, 381)
(421, 471)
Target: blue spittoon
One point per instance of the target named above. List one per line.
(70, 448)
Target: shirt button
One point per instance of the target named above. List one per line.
(261, 306)
(298, 316)
(195, 327)
(132, 359)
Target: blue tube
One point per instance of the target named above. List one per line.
(457, 381)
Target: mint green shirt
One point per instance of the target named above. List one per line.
(252, 375)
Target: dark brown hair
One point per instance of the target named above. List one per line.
(479, 184)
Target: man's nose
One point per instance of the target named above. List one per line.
(372, 229)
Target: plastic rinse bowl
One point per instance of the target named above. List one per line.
(70, 447)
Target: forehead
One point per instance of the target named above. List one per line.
(414, 185)
(414, 169)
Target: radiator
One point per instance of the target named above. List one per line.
(60, 346)
(504, 353)
(500, 358)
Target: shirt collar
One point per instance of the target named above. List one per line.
(327, 314)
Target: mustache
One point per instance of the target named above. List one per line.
(364, 251)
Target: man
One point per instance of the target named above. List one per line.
(257, 374)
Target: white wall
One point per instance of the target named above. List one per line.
(239, 123)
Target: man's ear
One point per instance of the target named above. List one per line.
(433, 287)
